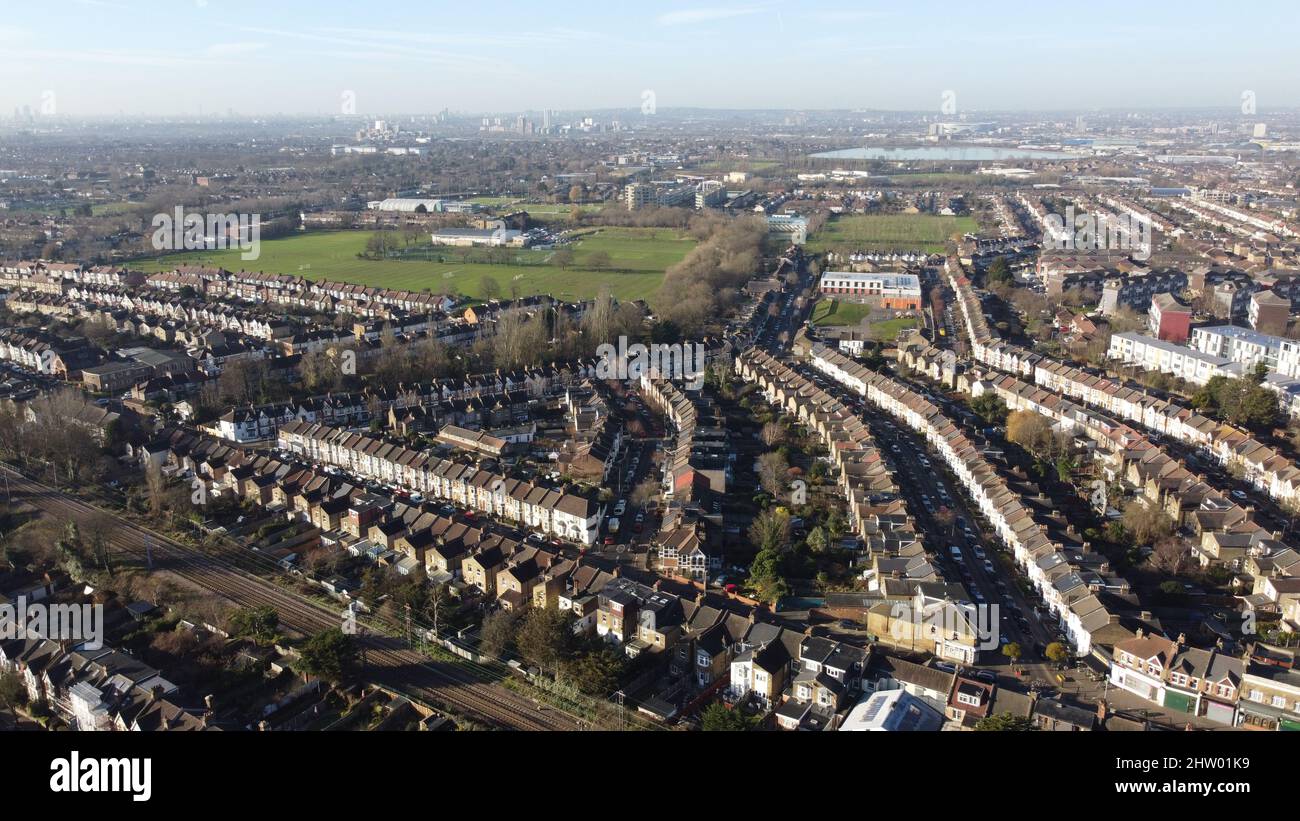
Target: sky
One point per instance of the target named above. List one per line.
(257, 57)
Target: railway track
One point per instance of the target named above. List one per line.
(389, 661)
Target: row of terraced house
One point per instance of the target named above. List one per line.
(1261, 465)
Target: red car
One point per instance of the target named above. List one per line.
(609, 540)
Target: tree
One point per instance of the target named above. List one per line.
(599, 261)
(773, 434)
(563, 258)
(498, 634)
(644, 492)
(1170, 555)
(155, 489)
(1004, 722)
(773, 471)
(1033, 432)
(770, 530)
(999, 271)
(331, 655)
(1012, 651)
(488, 287)
(718, 717)
(1171, 589)
(546, 638)
(1057, 652)
(1242, 402)
(261, 624)
(766, 578)
(990, 408)
(817, 540)
(13, 692)
(597, 671)
(1146, 523)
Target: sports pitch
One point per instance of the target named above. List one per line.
(638, 258)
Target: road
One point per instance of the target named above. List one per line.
(389, 661)
(928, 489)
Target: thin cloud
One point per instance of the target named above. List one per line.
(848, 16)
(688, 17)
(370, 49)
(510, 38)
(231, 49)
(111, 57)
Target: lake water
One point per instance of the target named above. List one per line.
(950, 153)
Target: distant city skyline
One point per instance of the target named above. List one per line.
(95, 58)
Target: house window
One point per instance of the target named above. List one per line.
(1279, 702)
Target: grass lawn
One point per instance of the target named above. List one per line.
(638, 257)
(831, 312)
(835, 312)
(890, 328)
(889, 232)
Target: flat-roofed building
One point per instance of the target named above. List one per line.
(1154, 354)
(897, 292)
(1249, 348)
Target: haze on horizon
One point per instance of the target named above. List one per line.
(163, 57)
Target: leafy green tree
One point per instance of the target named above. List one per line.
(1242, 402)
(332, 655)
(1004, 722)
(766, 577)
(718, 717)
(990, 408)
(261, 624)
(597, 671)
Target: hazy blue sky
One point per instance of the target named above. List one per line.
(96, 57)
